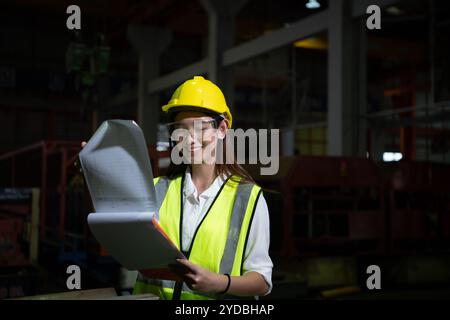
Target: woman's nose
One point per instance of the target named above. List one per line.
(195, 134)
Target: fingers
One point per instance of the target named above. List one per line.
(83, 143)
(187, 270)
(179, 269)
(187, 264)
(188, 278)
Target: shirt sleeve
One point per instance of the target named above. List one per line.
(256, 256)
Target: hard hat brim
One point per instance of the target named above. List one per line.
(180, 108)
(174, 110)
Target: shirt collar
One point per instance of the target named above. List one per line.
(190, 190)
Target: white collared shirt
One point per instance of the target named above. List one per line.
(256, 256)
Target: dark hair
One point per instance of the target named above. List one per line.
(227, 169)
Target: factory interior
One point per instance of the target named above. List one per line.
(363, 113)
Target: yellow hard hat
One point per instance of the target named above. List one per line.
(199, 94)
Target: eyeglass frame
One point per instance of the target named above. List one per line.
(216, 120)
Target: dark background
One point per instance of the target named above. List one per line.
(345, 98)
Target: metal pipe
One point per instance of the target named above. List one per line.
(31, 147)
(311, 125)
(43, 189)
(432, 71)
(62, 195)
(432, 50)
(13, 172)
(294, 87)
(441, 105)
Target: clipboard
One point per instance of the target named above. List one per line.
(118, 173)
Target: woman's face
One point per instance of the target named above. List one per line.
(201, 142)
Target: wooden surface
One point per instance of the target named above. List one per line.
(93, 294)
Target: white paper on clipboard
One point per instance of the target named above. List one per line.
(119, 177)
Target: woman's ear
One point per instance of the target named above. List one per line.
(222, 129)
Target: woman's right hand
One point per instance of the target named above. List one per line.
(76, 162)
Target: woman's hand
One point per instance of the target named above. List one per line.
(76, 163)
(198, 278)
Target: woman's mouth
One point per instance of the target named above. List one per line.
(196, 148)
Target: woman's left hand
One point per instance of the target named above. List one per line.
(198, 278)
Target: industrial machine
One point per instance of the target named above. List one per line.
(53, 215)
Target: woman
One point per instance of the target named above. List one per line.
(213, 212)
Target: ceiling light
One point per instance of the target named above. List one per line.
(392, 156)
(312, 43)
(312, 4)
(395, 11)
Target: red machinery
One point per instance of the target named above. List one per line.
(19, 214)
(329, 204)
(318, 204)
(11, 253)
(47, 165)
(61, 228)
(419, 210)
(333, 205)
(65, 202)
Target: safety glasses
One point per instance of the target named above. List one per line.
(199, 124)
(199, 129)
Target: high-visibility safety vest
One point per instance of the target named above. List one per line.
(219, 241)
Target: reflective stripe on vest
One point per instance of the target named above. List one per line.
(161, 185)
(224, 230)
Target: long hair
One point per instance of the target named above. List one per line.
(221, 169)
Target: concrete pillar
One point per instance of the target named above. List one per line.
(360, 91)
(221, 36)
(378, 142)
(288, 142)
(347, 81)
(150, 43)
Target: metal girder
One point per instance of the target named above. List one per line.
(410, 122)
(298, 30)
(314, 24)
(178, 76)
